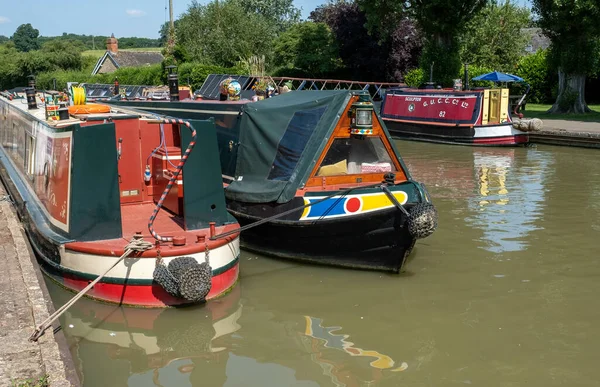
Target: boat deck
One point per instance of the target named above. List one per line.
(135, 218)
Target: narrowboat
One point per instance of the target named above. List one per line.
(92, 184)
(466, 117)
(317, 172)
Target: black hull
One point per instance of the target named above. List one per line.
(454, 135)
(374, 241)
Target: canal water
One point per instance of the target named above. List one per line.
(505, 293)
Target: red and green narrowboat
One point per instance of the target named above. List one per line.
(92, 179)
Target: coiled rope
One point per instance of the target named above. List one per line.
(137, 244)
(173, 178)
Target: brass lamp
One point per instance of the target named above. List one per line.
(361, 114)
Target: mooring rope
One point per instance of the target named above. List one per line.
(262, 221)
(173, 178)
(136, 244)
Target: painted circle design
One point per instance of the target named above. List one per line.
(353, 205)
(411, 107)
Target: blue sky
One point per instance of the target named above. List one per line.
(141, 18)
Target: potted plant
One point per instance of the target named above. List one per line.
(260, 88)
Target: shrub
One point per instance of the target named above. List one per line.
(535, 70)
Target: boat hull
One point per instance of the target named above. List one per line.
(490, 135)
(374, 241)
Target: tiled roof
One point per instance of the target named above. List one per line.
(129, 59)
(538, 40)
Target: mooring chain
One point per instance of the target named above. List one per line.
(173, 178)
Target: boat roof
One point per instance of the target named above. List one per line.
(20, 102)
(281, 139)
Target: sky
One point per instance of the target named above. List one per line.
(124, 18)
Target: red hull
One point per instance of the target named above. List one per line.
(152, 296)
(504, 140)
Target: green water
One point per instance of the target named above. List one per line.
(503, 294)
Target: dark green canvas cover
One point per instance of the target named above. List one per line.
(280, 141)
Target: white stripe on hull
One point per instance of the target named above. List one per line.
(496, 131)
(141, 268)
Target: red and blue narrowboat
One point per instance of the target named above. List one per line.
(90, 182)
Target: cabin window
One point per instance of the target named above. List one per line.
(351, 156)
(29, 155)
(294, 140)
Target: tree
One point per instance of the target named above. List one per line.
(574, 31)
(221, 33)
(26, 38)
(280, 13)
(365, 55)
(494, 38)
(3, 39)
(308, 48)
(441, 21)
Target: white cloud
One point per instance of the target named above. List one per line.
(4, 19)
(135, 12)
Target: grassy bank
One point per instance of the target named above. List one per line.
(539, 111)
(99, 53)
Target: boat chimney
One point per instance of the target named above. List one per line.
(173, 80)
(466, 76)
(116, 90)
(31, 81)
(30, 93)
(430, 85)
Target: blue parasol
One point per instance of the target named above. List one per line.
(497, 76)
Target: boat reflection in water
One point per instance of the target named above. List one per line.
(208, 346)
(505, 206)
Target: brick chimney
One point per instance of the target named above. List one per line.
(112, 45)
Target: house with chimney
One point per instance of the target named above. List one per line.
(114, 59)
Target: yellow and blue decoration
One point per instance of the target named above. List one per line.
(361, 131)
(349, 205)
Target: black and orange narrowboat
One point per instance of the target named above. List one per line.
(319, 172)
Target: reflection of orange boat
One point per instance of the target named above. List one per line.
(324, 337)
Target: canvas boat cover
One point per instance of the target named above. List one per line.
(281, 139)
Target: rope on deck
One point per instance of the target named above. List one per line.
(173, 178)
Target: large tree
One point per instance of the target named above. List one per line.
(280, 13)
(574, 31)
(441, 21)
(222, 33)
(494, 37)
(26, 38)
(383, 54)
(307, 48)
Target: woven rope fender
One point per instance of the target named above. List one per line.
(423, 220)
(184, 278)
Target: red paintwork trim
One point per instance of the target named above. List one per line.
(116, 247)
(146, 295)
(470, 125)
(505, 140)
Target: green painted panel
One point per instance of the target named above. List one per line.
(204, 197)
(95, 207)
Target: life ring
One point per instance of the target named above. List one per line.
(89, 108)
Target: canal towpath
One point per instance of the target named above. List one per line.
(25, 303)
(568, 132)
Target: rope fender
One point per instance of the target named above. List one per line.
(184, 277)
(423, 220)
(172, 179)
